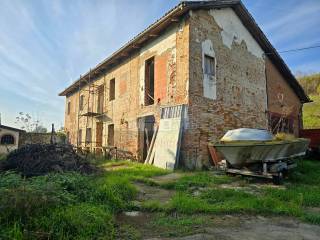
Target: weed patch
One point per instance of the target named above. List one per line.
(67, 205)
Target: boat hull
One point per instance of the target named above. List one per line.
(239, 154)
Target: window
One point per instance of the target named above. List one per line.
(7, 139)
(88, 135)
(81, 102)
(112, 90)
(69, 103)
(80, 136)
(149, 82)
(209, 65)
(111, 135)
(100, 99)
(209, 76)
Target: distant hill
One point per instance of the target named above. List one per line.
(311, 111)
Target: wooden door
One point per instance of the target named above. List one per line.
(99, 133)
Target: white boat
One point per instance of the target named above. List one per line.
(243, 147)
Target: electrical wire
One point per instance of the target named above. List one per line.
(296, 49)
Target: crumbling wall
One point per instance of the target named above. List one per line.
(34, 138)
(240, 99)
(281, 97)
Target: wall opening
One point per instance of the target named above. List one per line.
(68, 137)
(80, 137)
(69, 107)
(99, 134)
(7, 139)
(112, 90)
(209, 66)
(149, 82)
(81, 102)
(88, 135)
(100, 104)
(146, 131)
(209, 63)
(111, 135)
(279, 123)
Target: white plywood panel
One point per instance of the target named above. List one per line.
(167, 144)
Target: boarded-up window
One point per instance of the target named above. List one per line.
(112, 90)
(88, 135)
(80, 136)
(149, 82)
(111, 135)
(69, 108)
(100, 99)
(209, 65)
(81, 102)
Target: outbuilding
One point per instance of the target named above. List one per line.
(9, 138)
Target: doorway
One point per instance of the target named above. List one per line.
(146, 130)
(99, 133)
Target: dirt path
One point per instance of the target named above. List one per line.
(147, 192)
(155, 226)
(220, 227)
(169, 177)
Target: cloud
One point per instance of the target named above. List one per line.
(46, 45)
(289, 25)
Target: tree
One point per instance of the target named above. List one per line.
(40, 129)
(28, 124)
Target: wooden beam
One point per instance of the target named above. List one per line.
(124, 54)
(174, 19)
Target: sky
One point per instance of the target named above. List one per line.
(46, 44)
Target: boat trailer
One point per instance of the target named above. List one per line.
(276, 171)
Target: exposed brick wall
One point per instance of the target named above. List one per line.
(124, 112)
(241, 90)
(281, 97)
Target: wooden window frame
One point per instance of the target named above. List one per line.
(149, 81)
(211, 71)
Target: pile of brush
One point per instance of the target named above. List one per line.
(40, 159)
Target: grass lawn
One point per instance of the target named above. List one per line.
(207, 193)
(74, 206)
(311, 113)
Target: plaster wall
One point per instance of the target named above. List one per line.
(5, 148)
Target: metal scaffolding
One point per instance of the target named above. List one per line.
(91, 111)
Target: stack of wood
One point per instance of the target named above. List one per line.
(40, 159)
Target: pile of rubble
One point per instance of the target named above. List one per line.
(40, 159)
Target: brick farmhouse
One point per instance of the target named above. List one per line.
(209, 56)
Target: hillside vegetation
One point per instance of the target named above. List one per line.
(311, 111)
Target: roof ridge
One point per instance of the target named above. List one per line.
(177, 12)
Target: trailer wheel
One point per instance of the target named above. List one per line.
(278, 179)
